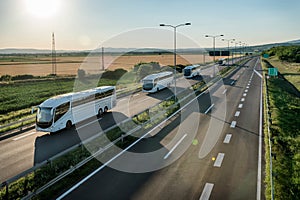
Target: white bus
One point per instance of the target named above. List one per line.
(155, 82)
(63, 111)
(191, 71)
(222, 61)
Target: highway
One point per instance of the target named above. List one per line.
(221, 161)
(23, 151)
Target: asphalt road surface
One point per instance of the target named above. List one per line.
(211, 151)
(23, 151)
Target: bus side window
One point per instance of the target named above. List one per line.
(61, 110)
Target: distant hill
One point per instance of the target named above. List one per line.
(144, 50)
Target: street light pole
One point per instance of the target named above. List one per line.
(214, 48)
(175, 29)
(228, 41)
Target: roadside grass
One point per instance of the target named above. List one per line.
(285, 136)
(291, 71)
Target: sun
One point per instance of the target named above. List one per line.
(42, 8)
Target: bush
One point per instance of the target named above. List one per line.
(114, 75)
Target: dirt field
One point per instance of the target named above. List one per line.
(70, 65)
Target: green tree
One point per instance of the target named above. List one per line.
(144, 70)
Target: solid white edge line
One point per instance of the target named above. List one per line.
(227, 138)
(258, 189)
(224, 91)
(208, 109)
(99, 169)
(113, 158)
(219, 160)
(176, 145)
(23, 136)
(206, 191)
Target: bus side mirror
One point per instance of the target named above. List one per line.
(32, 109)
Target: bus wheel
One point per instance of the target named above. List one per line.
(105, 109)
(100, 112)
(69, 124)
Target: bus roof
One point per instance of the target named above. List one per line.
(158, 75)
(191, 66)
(63, 98)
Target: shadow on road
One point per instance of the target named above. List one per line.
(51, 144)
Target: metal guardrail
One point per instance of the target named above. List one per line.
(16, 122)
(120, 93)
(25, 173)
(269, 120)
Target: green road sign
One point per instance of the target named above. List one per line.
(266, 55)
(272, 71)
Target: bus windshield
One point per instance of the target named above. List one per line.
(44, 114)
(147, 84)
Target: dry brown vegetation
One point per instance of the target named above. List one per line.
(92, 64)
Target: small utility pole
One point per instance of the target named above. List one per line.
(102, 58)
(53, 55)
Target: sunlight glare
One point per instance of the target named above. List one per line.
(42, 8)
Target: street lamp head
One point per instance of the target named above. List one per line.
(162, 25)
(221, 35)
(187, 24)
(206, 36)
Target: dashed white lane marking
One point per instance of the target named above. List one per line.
(135, 95)
(240, 105)
(219, 160)
(227, 138)
(233, 124)
(237, 113)
(224, 91)
(208, 109)
(246, 90)
(245, 94)
(176, 145)
(242, 99)
(206, 191)
(23, 136)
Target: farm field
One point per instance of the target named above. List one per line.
(67, 65)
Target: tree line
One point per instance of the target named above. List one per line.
(285, 53)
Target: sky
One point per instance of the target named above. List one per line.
(88, 24)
